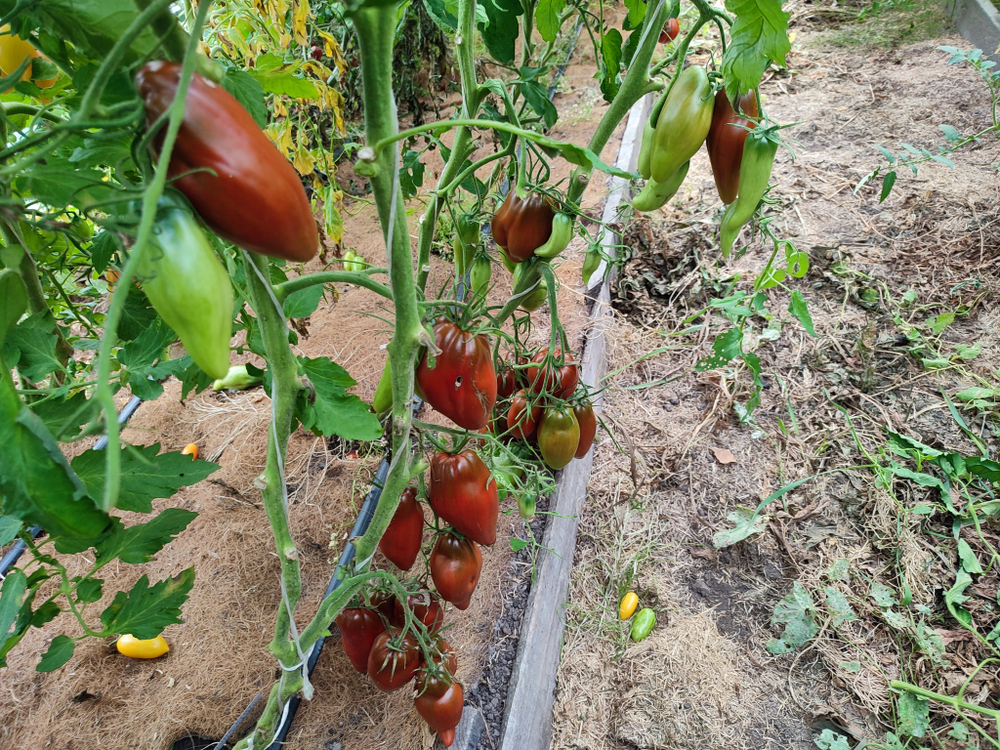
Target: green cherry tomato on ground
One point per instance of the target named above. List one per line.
(558, 436)
(643, 624)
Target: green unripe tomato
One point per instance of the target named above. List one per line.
(643, 624)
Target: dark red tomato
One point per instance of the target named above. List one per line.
(393, 660)
(584, 414)
(522, 224)
(548, 378)
(385, 604)
(506, 381)
(726, 137)
(455, 567)
(401, 541)
(558, 436)
(463, 384)
(522, 421)
(440, 704)
(426, 608)
(359, 627)
(316, 52)
(463, 493)
(670, 30)
(252, 196)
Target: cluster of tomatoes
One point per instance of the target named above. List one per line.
(543, 403)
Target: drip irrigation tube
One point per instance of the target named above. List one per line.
(19, 547)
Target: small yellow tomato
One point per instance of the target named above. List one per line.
(191, 449)
(13, 50)
(629, 602)
(132, 647)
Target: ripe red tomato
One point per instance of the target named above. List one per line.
(440, 704)
(520, 420)
(359, 627)
(547, 378)
(558, 436)
(584, 414)
(393, 660)
(401, 541)
(463, 493)
(426, 608)
(316, 52)
(463, 384)
(670, 30)
(251, 195)
(522, 224)
(455, 567)
(385, 604)
(506, 381)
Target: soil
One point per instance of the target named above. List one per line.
(676, 460)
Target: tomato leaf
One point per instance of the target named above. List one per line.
(547, 19)
(411, 175)
(11, 596)
(537, 97)
(146, 610)
(759, 35)
(636, 12)
(611, 60)
(146, 475)
(914, 715)
(137, 544)
(59, 652)
(36, 482)
(800, 310)
(441, 15)
(89, 590)
(10, 527)
(303, 303)
(65, 417)
(13, 300)
(726, 347)
(335, 411)
(34, 341)
(248, 91)
(44, 614)
(57, 182)
(275, 77)
(501, 30)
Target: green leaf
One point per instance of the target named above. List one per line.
(966, 352)
(547, 20)
(883, 595)
(36, 483)
(248, 91)
(276, 78)
(726, 347)
(839, 607)
(60, 652)
(13, 300)
(950, 133)
(137, 316)
(517, 544)
(57, 182)
(146, 610)
(914, 715)
(888, 180)
(636, 13)
(137, 544)
(146, 474)
(941, 322)
(303, 303)
(45, 614)
(759, 35)
(96, 153)
(970, 563)
(537, 97)
(794, 611)
(442, 16)
(611, 57)
(89, 590)
(502, 29)
(34, 339)
(830, 740)
(10, 527)
(745, 522)
(929, 641)
(11, 596)
(65, 417)
(334, 411)
(411, 176)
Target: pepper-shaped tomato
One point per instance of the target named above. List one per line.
(725, 141)
(522, 224)
(246, 191)
(759, 150)
(462, 384)
(546, 377)
(455, 567)
(558, 436)
(463, 493)
(522, 421)
(393, 660)
(425, 607)
(683, 123)
(188, 285)
(401, 541)
(440, 704)
(359, 627)
(584, 414)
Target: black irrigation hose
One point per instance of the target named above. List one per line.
(19, 547)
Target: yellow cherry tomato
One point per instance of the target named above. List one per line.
(132, 647)
(13, 50)
(629, 602)
(191, 449)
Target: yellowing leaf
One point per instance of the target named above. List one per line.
(299, 16)
(303, 161)
(281, 134)
(317, 69)
(333, 51)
